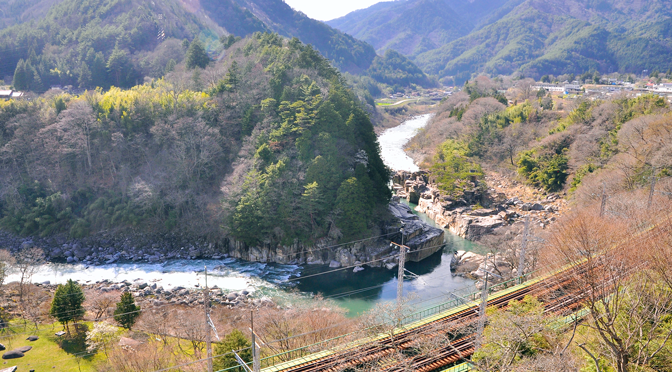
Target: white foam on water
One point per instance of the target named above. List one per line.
(393, 140)
(228, 274)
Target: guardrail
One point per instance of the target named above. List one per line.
(313, 350)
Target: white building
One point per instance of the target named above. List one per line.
(548, 87)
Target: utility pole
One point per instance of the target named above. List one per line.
(208, 337)
(402, 263)
(604, 199)
(523, 245)
(484, 303)
(256, 365)
(653, 186)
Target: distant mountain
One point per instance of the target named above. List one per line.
(456, 38)
(416, 26)
(70, 42)
(243, 17)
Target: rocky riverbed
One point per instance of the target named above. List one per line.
(109, 248)
(479, 211)
(152, 295)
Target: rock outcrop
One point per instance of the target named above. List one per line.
(422, 239)
(464, 215)
(109, 247)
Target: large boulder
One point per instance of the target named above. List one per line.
(10, 369)
(24, 349)
(32, 338)
(14, 354)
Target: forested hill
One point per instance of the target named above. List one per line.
(347, 53)
(415, 26)
(535, 37)
(95, 43)
(266, 145)
(101, 43)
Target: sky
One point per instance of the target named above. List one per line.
(326, 10)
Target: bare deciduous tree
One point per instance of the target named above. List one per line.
(26, 264)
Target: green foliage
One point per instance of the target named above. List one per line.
(234, 341)
(351, 201)
(154, 156)
(73, 43)
(490, 126)
(581, 114)
(67, 303)
(196, 55)
(549, 170)
(127, 312)
(580, 173)
(228, 41)
(540, 41)
(393, 68)
(518, 332)
(452, 168)
(628, 109)
(346, 52)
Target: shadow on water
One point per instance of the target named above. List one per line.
(359, 292)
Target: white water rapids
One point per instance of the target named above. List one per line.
(228, 273)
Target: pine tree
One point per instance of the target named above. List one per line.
(118, 63)
(84, 78)
(127, 312)
(196, 55)
(67, 304)
(20, 80)
(350, 200)
(234, 341)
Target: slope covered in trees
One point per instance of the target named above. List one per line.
(103, 43)
(553, 144)
(265, 145)
(535, 37)
(90, 43)
(416, 26)
(347, 53)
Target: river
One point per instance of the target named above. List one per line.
(355, 292)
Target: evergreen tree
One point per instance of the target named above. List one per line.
(312, 204)
(228, 41)
(351, 201)
(67, 303)
(196, 55)
(127, 312)
(234, 341)
(170, 66)
(20, 80)
(84, 78)
(99, 70)
(118, 64)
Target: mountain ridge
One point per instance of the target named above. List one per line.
(534, 37)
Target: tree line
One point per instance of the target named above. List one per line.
(162, 155)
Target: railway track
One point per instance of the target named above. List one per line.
(554, 291)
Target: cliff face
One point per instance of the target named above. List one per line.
(108, 247)
(465, 216)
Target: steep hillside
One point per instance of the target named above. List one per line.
(263, 147)
(74, 42)
(416, 26)
(553, 144)
(536, 37)
(345, 51)
(563, 36)
(99, 43)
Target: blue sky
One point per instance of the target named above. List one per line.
(325, 10)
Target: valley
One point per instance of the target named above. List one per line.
(419, 185)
